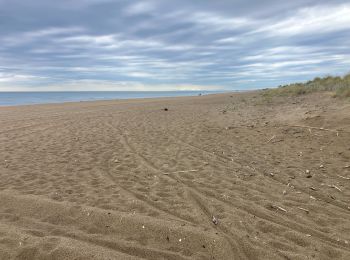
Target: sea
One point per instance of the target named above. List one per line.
(28, 98)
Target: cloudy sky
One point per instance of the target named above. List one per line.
(170, 45)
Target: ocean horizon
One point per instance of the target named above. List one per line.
(31, 98)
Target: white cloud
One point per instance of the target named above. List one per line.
(156, 41)
(229, 40)
(52, 31)
(317, 19)
(10, 77)
(104, 85)
(139, 8)
(119, 41)
(213, 21)
(93, 39)
(24, 38)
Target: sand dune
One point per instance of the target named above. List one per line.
(226, 176)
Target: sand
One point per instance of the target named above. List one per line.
(228, 176)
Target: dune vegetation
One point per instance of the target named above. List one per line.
(340, 86)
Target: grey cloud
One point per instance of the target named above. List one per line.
(228, 43)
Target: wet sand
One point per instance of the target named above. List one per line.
(227, 176)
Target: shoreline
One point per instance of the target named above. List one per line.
(200, 93)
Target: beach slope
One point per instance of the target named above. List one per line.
(226, 176)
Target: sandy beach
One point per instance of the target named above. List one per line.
(226, 176)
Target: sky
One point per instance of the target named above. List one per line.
(162, 45)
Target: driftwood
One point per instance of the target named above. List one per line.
(335, 187)
(167, 173)
(278, 207)
(273, 137)
(346, 178)
(317, 128)
(306, 210)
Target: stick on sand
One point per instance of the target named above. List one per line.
(317, 128)
(167, 173)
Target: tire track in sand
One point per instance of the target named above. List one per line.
(135, 195)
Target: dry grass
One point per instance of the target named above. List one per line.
(339, 85)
